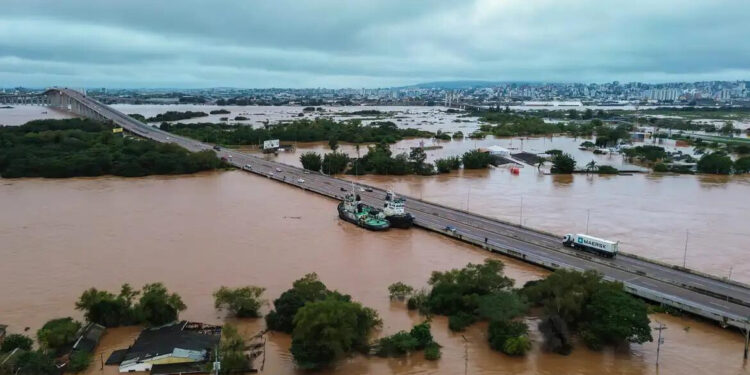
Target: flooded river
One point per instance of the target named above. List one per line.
(196, 233)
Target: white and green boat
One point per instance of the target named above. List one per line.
(353, 210)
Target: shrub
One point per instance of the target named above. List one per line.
(432, 352)
(517, 346)
(396, 345)
(742, 165)
(459, 321)
(334, 162)
(14, 341)
(660, 167)
(79, 361)
(716, 163)
(311, 161)
(556, 335)
(329, 329)
(242, 302)
(57, 333)
(500, 332)
(476, 159)
(606, 169)
(563, 164)
(399, 291)
(304, 290)
(157, 306)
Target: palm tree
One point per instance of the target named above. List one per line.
(591, 166)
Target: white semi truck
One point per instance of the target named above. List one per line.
(595, 245)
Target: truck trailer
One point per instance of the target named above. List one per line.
(592, 244)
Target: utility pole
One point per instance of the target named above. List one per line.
(217, 362)
(684, 255)
(660, 341)
(521, 218)
(588, 214)
(468, 194)
(466, 355)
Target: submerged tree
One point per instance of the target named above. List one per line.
(243, 302)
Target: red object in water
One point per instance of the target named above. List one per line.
(515, 170)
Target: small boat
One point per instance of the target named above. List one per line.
(353, 210)
(394, 211)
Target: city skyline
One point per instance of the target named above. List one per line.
(364, 45)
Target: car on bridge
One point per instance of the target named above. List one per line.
(278, 169)
(300, 180)
(248, 167)
(217, 148)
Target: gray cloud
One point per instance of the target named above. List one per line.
(328, 43)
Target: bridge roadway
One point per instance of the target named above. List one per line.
(711, 297)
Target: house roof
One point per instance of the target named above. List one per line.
(89, 337)
(179, 338)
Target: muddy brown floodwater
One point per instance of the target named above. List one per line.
(196, 233)
(652, 215)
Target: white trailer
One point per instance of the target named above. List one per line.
(592, 244)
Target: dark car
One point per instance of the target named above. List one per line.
(369, 190)
(343, 189)
(217, 148)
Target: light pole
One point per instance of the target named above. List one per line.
(660, 341)
(468, 195)
(588, 214)
(521, 218)
(684, 255)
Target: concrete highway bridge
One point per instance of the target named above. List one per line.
(718, 299)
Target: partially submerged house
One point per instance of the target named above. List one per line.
(184, 342)
(89, 338)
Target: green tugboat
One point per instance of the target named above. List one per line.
(356, 212)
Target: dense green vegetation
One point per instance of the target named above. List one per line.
(242, 302)
(448, 164)
(600, 311)
(476, 159)
(14, 341)
(325, 325)
(220, 111)
(563, 164)
(399, 291)
(138, 117)
(304, 130)
(304, 290)
(402, 343)
(508, 124)
(176, 116)
(79, 147)
(509, 337)
(232, 351)
(79, 361)
(155, 307)
(716, 163)
(645, 153)
(329, 329)
(473, 293)
(57, 333)
(311, 161)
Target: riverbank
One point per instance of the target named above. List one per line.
(80, 147)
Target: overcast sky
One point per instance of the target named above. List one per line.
(374, 43)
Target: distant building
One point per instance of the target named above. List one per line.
(177, 343)
(499, 151)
